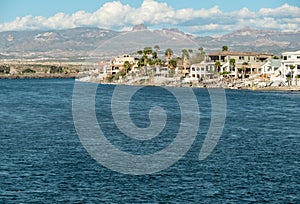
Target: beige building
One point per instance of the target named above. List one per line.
(251, 62)
(117, 63)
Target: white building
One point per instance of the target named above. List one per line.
(200, 71)
(288, 59)
(271, 66)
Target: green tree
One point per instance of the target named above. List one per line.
(168, 54)
(244, 66)
(218, 66)
(225, 48)
(142, 61)
(292, 67)
(232, 62)
(156, 47)
(150, 61)
(140, 52)
(55, 69)
(4, 69)
(154, 55)
(28, 71)
(147, 51)
(127, 66)
(185, 58)
(172, 63)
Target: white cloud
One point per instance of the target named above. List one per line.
(116, 15)
(282, 11)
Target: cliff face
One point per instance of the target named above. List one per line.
(81, 43)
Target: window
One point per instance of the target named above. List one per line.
(298, 57)
(284, 57)
(241, 57)
(289, 56)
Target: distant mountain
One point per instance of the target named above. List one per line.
(255, 40)
(82, 43)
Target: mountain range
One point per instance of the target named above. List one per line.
(95, 43)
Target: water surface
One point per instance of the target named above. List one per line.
(42, 159)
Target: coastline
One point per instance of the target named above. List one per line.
(74, 76)
(275, 88)
(39, 76)
(185, 85)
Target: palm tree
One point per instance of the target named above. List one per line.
(140, 52)
(224, 48)
(292, 67)
(147, 51)
(156, 47)
(231, 63)
(173, 63)
(127, 66)
(244, 69)
(185, 57)
(168, 54)
(154, 55)
(218, 66)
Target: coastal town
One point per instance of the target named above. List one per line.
(158, 67)
(226, 68)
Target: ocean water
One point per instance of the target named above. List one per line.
(257, 158)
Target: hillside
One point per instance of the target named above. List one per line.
(94, 43)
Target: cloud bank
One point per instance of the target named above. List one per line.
(115, 15)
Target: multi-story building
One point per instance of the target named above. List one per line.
(117, 63)
(291, 59)
(250, 62)
(203, 70)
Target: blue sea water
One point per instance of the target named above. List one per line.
(43, 161)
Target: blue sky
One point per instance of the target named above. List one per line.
(215, 16)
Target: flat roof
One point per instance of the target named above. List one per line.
(238, 53)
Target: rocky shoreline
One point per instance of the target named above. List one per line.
(225, 85)
(39, 76)
(145, 83)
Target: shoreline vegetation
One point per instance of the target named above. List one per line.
(16, 69)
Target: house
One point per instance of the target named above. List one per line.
(201, 71)
(117, 63)
(288, 59)
(271, 67)
(250, 62)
